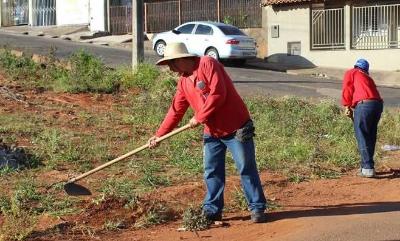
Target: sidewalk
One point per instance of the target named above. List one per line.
(81, 33)
(382, 78)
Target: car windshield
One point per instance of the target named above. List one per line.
(228, 30)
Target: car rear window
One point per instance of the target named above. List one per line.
(203, 29)
(228, 30)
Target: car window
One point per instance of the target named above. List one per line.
(228, 30)
(204, 29)
(186, 29)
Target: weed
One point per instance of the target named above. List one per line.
(158, 214)
(5, 204)
(273, 205)
(17, 226)
(113, 225)
(195, 220)
(19, 68)
(143, 76)
(239, 199)
(87, 74)
(296, 177)
(119, 188)
(150, 178)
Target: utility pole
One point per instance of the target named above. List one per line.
(1, 10)
(137, 33)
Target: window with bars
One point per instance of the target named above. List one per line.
(327, 29)
(375, 27)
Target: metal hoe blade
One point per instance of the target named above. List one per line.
(74, 189)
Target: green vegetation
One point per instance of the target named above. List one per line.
(121, 189)
(296, 137)
(194, 219)
(22, 209)
(239, 200)
(157, 214)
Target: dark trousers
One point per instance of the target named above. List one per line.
(366, 118)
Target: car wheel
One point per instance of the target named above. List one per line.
(213, 53)
(159, 48)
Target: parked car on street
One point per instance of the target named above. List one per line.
(218, 40)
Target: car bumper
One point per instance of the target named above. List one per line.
(238, 54)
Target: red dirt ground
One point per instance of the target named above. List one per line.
(296, 201)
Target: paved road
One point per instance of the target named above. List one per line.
(248, 80)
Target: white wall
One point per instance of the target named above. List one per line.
(294, 25)
(70, 12)
(97, 15)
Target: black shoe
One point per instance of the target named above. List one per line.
(258, 217)
(213, 217)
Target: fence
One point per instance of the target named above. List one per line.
(327, 29)
(162, 16)
(14, 12)
(120, 19)
(376, 27)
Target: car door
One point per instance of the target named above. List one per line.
(185, 33)
(201, 39)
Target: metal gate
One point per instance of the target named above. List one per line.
(120, 19)
(15, 12)
(44, 12)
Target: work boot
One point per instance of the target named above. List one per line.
(258, 217)
(213, 216)
(368, 173)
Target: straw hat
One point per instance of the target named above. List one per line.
(175, 51)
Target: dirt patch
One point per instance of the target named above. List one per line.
(295, 204)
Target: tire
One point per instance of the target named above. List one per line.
(160, 48)
(213, 53)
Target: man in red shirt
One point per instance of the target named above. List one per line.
(208, 90)
(364, 105)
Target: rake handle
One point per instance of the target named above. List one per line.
(172, 133)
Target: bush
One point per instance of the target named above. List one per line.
(20, 68)
(87, 73)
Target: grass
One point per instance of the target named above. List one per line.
(157, 214)
(299, 138)
(119, 188)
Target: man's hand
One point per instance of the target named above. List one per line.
(193, 122)
(152, 142)
(348, 111)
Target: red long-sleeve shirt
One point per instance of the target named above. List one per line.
(358, 86)
(211, 94)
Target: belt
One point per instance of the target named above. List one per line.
(368, 100)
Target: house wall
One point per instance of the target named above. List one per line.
(98, 15)
(71, 12)
(294, 26)
(259, 35)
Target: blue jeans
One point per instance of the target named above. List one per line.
(366, 118)
(214, 172)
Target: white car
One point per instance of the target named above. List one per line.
(218, 40)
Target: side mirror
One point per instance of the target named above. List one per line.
(176, 31)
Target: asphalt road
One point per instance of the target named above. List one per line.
(248, 80)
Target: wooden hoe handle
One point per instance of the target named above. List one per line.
(172, 133)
